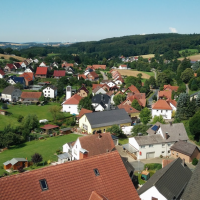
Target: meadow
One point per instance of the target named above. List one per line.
(16, 57)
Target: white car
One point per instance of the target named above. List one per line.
(43, 120)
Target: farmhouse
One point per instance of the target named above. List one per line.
(93, 76)
(9, 67)
(101, 121)
(50, 91)
(132, 112)
(41, 72)
(123, 67)
(11, 93)
(98, 181)
(28, 77)
(30, 97)
(99, 67)
(171, 88)
(101, 102)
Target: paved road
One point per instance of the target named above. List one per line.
(187, 88)
(104, 76)
(150, 100)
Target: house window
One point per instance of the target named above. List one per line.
(166, 111)
(75, 152)
(157, 110)
(163, 145)
(43, 184)
(104, 130)
(169, 144)
(169, 151)
(85, 127)
(142, 147)
(96, 172)
(151, 145)
(163, 152)
(161, 111)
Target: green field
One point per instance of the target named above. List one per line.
(123, 140)
(149, 73)
(15, 110)
(193, 51)
(53, 54)
(46, 148)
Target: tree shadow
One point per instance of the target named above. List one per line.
(18, 146)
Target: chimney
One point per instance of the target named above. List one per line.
(166, 135)
(170, 123)
(68, 92)
(183, 162)
(101, 97)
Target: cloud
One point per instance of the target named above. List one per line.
(143, 34)
(173, 30)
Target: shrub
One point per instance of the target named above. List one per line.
(194, 161)
(36, 158)
(153, 166)
(20, 118)
(20, 169)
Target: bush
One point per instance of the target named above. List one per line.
(153, 166)
(194, 161)
(20, 118)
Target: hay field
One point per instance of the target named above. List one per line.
(8, 56)
(148, 56)
(194, 57)
(128, 72)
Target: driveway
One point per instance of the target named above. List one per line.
(150, 100)
(104, 76)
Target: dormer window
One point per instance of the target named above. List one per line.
(96, 172)
(43, 184)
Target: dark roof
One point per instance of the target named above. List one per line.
(9, 90)
(83, 88)
(73, 180)
(192, 191)
(108, 118)
(17, 65)
(53, 87)
(170, 180)
(150, 139)
(100, 98)
(184, 147)
(17, 79)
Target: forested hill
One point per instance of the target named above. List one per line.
(127, 45)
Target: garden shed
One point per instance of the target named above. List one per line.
(48, 128)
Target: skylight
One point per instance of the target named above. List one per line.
(43, 184)
(96, 172)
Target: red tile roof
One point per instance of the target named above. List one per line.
(166, 93)
(128, 108)
(73, 180)
(95, 196)
(123, 65)
(49, 126)
(41, 71)
(173, 102)
(59, 73)
(93, 74)
(83, 111)
(161, 105)
(95, 85)
(11, 66)
(74, 100)
(169, 87)
(2, 72)
(82, 76)
(96, 145)
(28, 76)
(31, 95)
(99, 66)
(132, 88)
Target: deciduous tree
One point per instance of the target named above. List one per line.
(145, 115)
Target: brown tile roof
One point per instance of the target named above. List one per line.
(31, 95)
(74, 100)
(96, 145)
(83, 88)
(128, 108)
(166, 93)
(2, 72)
(95, 85)
(173, 102)
(99, 66)
(28, 76)
(82, 76)
(110, 93)
(73, 180)
(59, 73)
(119, 92)
(83, 111)
(132, 88)
(96, 196)
(41, 71)
(93, 74)
(49, 126)
(96, 89)
(169, 87)
(161, 105)
(11, 66)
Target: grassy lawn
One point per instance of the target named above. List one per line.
(141, 181)
(193, 51)
(123, 140)
(53, 54)
(41, 111)
(192, 92)
(46, 148)
(51, 80)
(149, 73)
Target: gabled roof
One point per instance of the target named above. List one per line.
(123, 65)
(73, 180)
(2, 72)
(93, 74)
(82, 76)
(152, 130)
(108, 118)
(11, 66)
(17, 79)
(96, 89)
(95, 85)
(17, 65)
(132, 88)
(161, 105)
(99, 66)
(31, 95)
(97, 143)
(173, 102)
(166, 93)
(169, 87)
(74, 100)
(83, 88)
(28, 76)
(128, 108)
(83, 111)
(49, 126)
(53, 87)
(14, 161)
(59, 73)
(100, 98)
(170, 181)
(41, 71)
(192, 191)
(184, 147)
(9, 90)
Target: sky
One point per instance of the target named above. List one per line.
(93, 20)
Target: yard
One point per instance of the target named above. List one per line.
(15, 110)
(46, 148)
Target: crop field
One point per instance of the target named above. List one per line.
(194, 57)
(8, 56)
(133, 73)
(148, 56)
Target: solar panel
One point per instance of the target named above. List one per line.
(154, 128)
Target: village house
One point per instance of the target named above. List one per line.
(59, 73)
(99, 67)
(98, 90)
(83, 147)
(29, 69)
(50, 91)
(42, 64)
(132, 112)
(185, 150)
(15, 80)
(101, 102)
(101, 121)
(71, 103)
(83, 91)
(166, 94)
(17, 65)
(2, 73)
(11, 93)
(167, 183)
(132, 89)
(82, 76)
(41, 72)
(15, 163)
(9, 68)
(28, 77)
(93, 76)
(30, 97)
(98, 181)
(67, 65)
(159, 140)
(82, 112)
(161, 107)
(171, 88)
(123, 67)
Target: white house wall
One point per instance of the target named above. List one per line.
(99, 108)
(152, 192)
(49, 92)
(6, 97)
(167, 114)
(100, 91)
(76, 150)
(72, 109)
(133, 142)
(66, 148)
(173, 107)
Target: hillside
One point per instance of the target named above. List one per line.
(8, 56)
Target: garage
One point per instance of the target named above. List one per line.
(150, 155)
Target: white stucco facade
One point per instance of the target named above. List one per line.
(66, 148)
(28, 70)
(166, 114)
(42, 64)
(173, 107)
(72, 109)
(122, 67)
(152, 192)
(1, 76)
(76, 150)
(100, 91)
(111, 84)
(118, 82)
(49, 92)
(6, 97)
